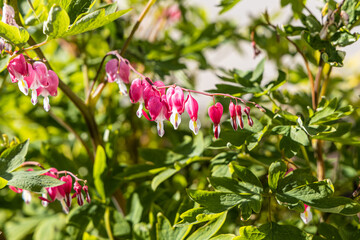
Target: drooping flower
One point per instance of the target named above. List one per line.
(119, 73)
(136, 93)
(215, 113)
(232, 111)
(86, 190)
(159, 111)
(173, 13)
(50, 90)
(192, 108)
(58, 192)
(239, 118)
(18, 70)
(38, 77)
(150, 91)
(247, 112)
(175, 99)
(78, 193)
(306, 216)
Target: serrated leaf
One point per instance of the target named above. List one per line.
(15, 35)
(258, 72)
(92, 21)
(100, 167)
(57, 23)
(208, 230)
(341, 205)
(13, 157)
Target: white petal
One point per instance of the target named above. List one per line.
(122, 87)
(46, 103)
(23, 87)
(306, 216)
(195, 126)
(64, 206)
(175, 119)
(34, 97)
(160, 128)
(44, 203)
(26, 196)
(139, 111)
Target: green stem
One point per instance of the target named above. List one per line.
(107, 224)
(137, 24)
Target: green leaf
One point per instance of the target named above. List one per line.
(223, 237)
(17, 36)
(99, 171)
(161, 177)
(164, 231)
(4, 62)
(136, 209)
(217, 201)
(343, 38)
(57, 23)
(276, 171)
(227, 5)
(208, 230)
(92, 21)
(3, 182)
(197, 215)
(329, 232)
(77, 7)
(32, 180)
(341, 205)
(246, 175)
(271, 231)
(13, 157)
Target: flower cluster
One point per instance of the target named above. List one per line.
(61, 193)
(35, 77)
(170, 104)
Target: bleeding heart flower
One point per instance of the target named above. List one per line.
(38, 77)
(159, 111)
(119, 73)
(192, 108)
(50, 90)
(175, 99)
(306, 216)
(247, 112)
(215, 113)
(150, 91)
(136, 93)
(18, 69)
(232, 111)
(239, 118)
(78, 193)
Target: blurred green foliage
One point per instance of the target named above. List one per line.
(184, 186)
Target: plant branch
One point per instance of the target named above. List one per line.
(320, 161)
(318, 81)
(70, 129)
(107, 223)
(306, 62)
(137, 24)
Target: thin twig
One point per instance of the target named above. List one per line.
(70, 129)
(137, 24)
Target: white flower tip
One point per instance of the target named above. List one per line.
(46, 104)
(160, 128)
(23, 87)
(306, 216)
(139, 111)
